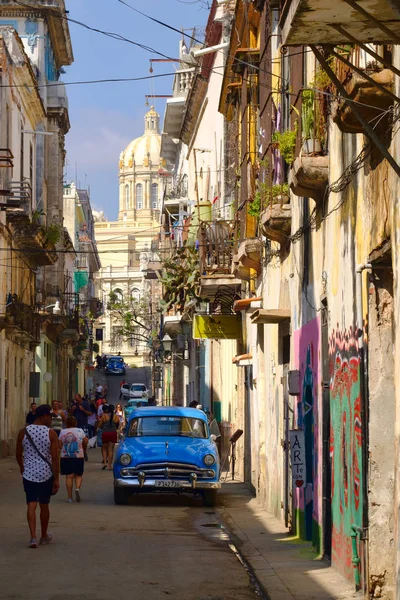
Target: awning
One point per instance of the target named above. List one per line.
(269, 316)
(245, 303)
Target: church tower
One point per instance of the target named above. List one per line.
(142, 179)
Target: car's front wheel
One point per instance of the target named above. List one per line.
(121, 496)
(210, 497)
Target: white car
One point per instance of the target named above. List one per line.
(125, 390)
(138, 390)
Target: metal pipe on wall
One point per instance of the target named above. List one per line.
(364, 417)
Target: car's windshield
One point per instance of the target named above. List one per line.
(135, 403)
(167, 426)
(118, 360)
(138, 387)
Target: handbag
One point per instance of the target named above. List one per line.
(48, 463)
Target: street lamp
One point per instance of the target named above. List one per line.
(167, 343)
(56, 307)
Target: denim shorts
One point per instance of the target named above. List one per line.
(38, 492)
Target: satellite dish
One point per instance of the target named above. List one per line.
(47, 377)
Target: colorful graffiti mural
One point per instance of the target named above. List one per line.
(345, 444)
(308, 501)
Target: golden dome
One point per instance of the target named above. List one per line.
(145, 148)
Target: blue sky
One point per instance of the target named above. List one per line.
(106, 117)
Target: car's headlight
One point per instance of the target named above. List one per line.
(209, 460)
(125, 459)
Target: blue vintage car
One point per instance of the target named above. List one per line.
(132, 405)
(115, 365)
(167, 449)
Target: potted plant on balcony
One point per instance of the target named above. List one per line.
(276, 218)
(285, 141)
(311, 144)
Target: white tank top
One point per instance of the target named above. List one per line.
(35, 469)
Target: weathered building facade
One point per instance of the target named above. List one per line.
(310, 102)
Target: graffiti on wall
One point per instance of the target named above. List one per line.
(345, 444)
(308, 502)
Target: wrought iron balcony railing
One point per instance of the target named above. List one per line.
(217, 247)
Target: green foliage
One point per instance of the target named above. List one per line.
(286, 141)
(307, 114)
(254, 207)
(321, 79)
(37, 217)
(96, 347)
(181, 279)
(279, 189)
(52, 234)
(266, 195)
(132, 316)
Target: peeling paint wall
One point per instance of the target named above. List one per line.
(308, 500)
(345, 445)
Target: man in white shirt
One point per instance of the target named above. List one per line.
(99, 391)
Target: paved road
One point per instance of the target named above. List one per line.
(139, 375)
(157, 547)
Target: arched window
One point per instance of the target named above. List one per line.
(154, 196)
(135, 294)
(117, 296)
(127, 197)
(139, 196)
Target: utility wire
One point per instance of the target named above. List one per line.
(91, 81)
(122, 38)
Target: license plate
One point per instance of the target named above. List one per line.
(167, 484)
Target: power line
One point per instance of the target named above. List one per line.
(91, 81)
(122, 38)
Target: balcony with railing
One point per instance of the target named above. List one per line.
(29, 231)
(307, 22)
(369, 84)
(217, 247)
(6, 158)
(21, 323)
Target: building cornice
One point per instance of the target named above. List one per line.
(21, 75)
(57, 24)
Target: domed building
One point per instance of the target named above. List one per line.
(127, 244)
(141, 173)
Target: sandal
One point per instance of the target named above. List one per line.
(33, 543)
(104, 468)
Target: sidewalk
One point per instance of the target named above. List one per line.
(285, 567)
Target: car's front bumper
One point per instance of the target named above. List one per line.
(133, 482)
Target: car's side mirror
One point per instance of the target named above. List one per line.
(213, 437)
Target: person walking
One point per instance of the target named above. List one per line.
(98, 362)
(73, 443)
(37, 455)
(57, 418)
(64, 412)
(81, 411)
(30, 417)
(120, 389)
(99, 391)
(119, 411)
(92, 419)
(108, 425)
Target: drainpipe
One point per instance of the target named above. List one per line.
(364, 429)
(355, 558)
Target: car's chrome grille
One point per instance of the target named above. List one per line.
(169, 470)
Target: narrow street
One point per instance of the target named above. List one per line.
(139, 375)
(158, 546)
